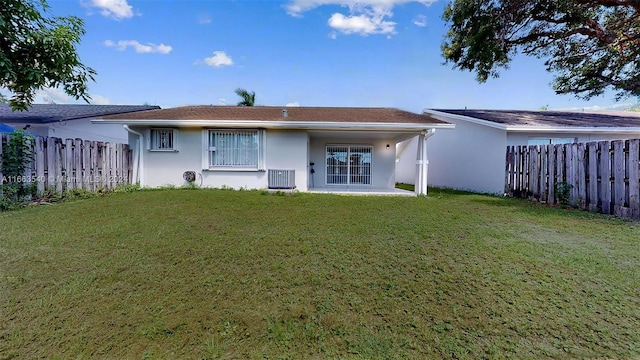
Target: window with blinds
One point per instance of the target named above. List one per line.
(234, 149)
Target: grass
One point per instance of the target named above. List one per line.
(224, 274)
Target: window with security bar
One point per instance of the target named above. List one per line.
(162, 139)
(349, 164)
(234, 149)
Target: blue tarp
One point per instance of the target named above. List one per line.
(6, 128)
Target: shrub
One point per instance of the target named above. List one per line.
(563, 191)
(16, 187)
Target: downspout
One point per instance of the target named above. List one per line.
(137, 157)
(425, 162)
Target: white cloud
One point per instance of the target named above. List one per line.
(293, 104)
(333, 35)
(138, 47)
(361, 24)
(204, 20)
(53, 96)
(219, 58)
(365, 16)
(58, 96)
(420, 21)
(99, 100)
(595, 108)
(116, 9)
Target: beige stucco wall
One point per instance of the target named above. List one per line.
(285, 150)
(382, 166)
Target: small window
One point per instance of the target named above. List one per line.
(163, 140)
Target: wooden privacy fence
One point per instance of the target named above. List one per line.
(605, 175)
(61, 165)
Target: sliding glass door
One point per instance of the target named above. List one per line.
(348, 164)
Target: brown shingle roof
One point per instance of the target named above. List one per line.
(47, 113)
(552, 118)
(274, 113)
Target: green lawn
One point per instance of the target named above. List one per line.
(224, 274)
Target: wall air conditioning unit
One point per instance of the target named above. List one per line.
(282, 179)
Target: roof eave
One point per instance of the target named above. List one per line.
(301, 125)
(443, 116)
(580, 130)
(532, 128)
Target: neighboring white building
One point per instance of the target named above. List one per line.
(70, 121)
(326, 149)
(473, 156)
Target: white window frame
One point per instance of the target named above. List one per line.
(151, 144)
(348, 175)
(208, 148)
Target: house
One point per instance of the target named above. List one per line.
(69, 120)
(324, 149)
(473, 156)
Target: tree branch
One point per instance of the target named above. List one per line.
(612, 3)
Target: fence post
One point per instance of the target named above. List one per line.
(634, 178)
(68, 171)
(592, 160)
(2, 137)
(58, 164)
(551, 179)
(581, 176)
(544, 165)
(605, 178)
(618, 194)
(507, 173)
(77, 159)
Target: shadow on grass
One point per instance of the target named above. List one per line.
(528, 207)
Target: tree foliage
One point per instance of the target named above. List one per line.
(15, 185)
(589, 45)
(38, 51)
(248, 98)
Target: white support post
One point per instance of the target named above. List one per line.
(425, 165)
(419, 164)
(422, 163)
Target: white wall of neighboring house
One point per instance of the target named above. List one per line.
(84, 129)
(470, 157)
(81, 128)
(382, 160)
(522, 138)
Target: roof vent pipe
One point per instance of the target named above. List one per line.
(285, 113)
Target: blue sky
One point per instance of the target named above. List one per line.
(307, 52)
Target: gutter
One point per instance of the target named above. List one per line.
(533, 128)
(137, 157)
(300, 125)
